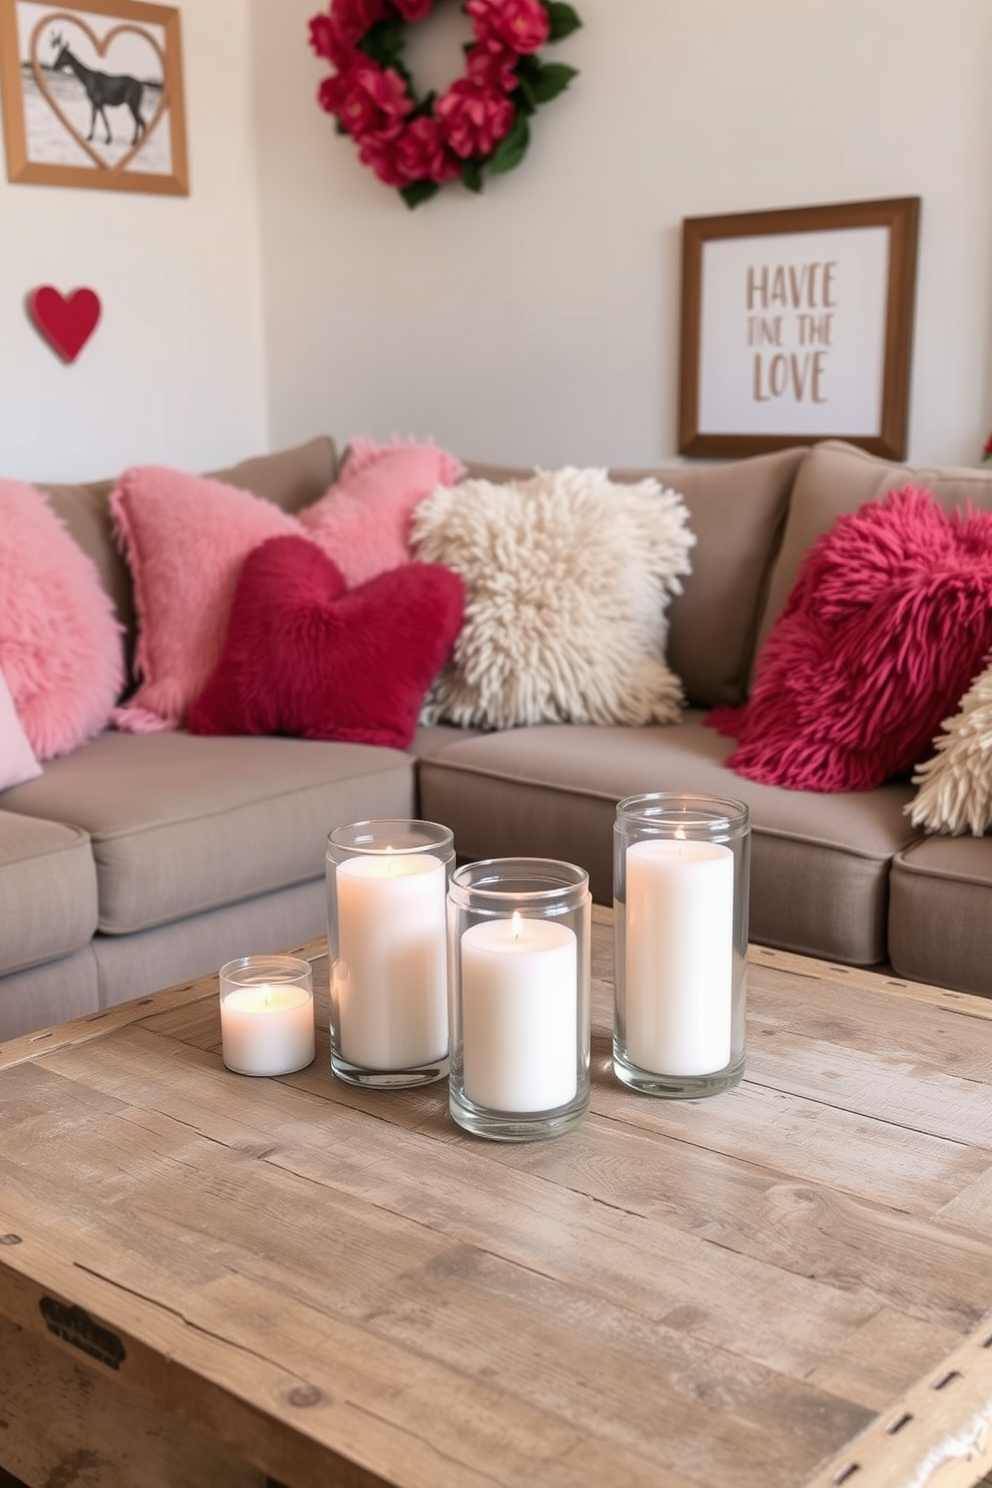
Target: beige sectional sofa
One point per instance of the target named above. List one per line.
(140, 860)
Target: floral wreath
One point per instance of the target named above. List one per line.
(482, 120)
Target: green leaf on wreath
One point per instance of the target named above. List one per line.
(523, 98)
(528, 66)
(417, 192)
(472, 175)
(564, 20)
(512, 149)
(384, 42)
(554, 79)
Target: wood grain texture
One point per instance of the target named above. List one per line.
(333, 1285)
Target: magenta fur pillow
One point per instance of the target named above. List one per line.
(306, 658)
(363, 522)
(61, 649)
(185, 538)
(888, 623)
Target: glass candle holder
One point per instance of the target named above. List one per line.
(386, 892)
(266, 1015)
(681, 893)
(519, 949)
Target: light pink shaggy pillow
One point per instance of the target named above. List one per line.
(185, 538)
(61, 650)
(363, 522)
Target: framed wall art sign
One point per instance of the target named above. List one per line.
(93, 95)
(797, 326)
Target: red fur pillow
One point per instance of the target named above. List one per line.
(304, 657)
(888, 623)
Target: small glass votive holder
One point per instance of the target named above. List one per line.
(519, 956)
(681, 894)
(387, 883)
(266, 1015)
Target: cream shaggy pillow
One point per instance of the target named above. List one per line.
(567, 578)
(955, 794)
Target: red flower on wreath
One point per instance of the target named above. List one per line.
(480, 121)
(475, 119)
(521, 25)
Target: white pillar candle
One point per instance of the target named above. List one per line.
(391, 976)
(519, 1014)
(267, 1029)
(679, 955)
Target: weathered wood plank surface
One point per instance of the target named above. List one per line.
(338, 1286)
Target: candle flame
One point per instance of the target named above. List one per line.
(517, 923)
(680, 834)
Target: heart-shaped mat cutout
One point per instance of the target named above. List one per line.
(66, 321)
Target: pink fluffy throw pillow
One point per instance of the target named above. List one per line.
(888, 623)
(306, 658)
(61, 650)
(185, 538)
(363, 522)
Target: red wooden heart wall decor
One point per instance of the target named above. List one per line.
(66, 321)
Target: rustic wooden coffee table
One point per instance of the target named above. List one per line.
(208, 1279)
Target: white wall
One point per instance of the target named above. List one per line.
(536, 323)
(175, 370)
(539, 322)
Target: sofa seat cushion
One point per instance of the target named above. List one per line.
(181, 824)
(48, 890)
(940, 913)
(820, 864)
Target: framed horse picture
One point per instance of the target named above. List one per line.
(93, 95)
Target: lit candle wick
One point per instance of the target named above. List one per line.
(517, 923)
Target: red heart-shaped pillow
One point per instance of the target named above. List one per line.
(303, 657)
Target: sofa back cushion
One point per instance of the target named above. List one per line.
(292, 478)
(736, 511)
(836, 478)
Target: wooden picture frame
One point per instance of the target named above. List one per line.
(797, 326)
(93, 95)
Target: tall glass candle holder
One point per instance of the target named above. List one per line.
(519, 948)
(386, 929)
(681, 893)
